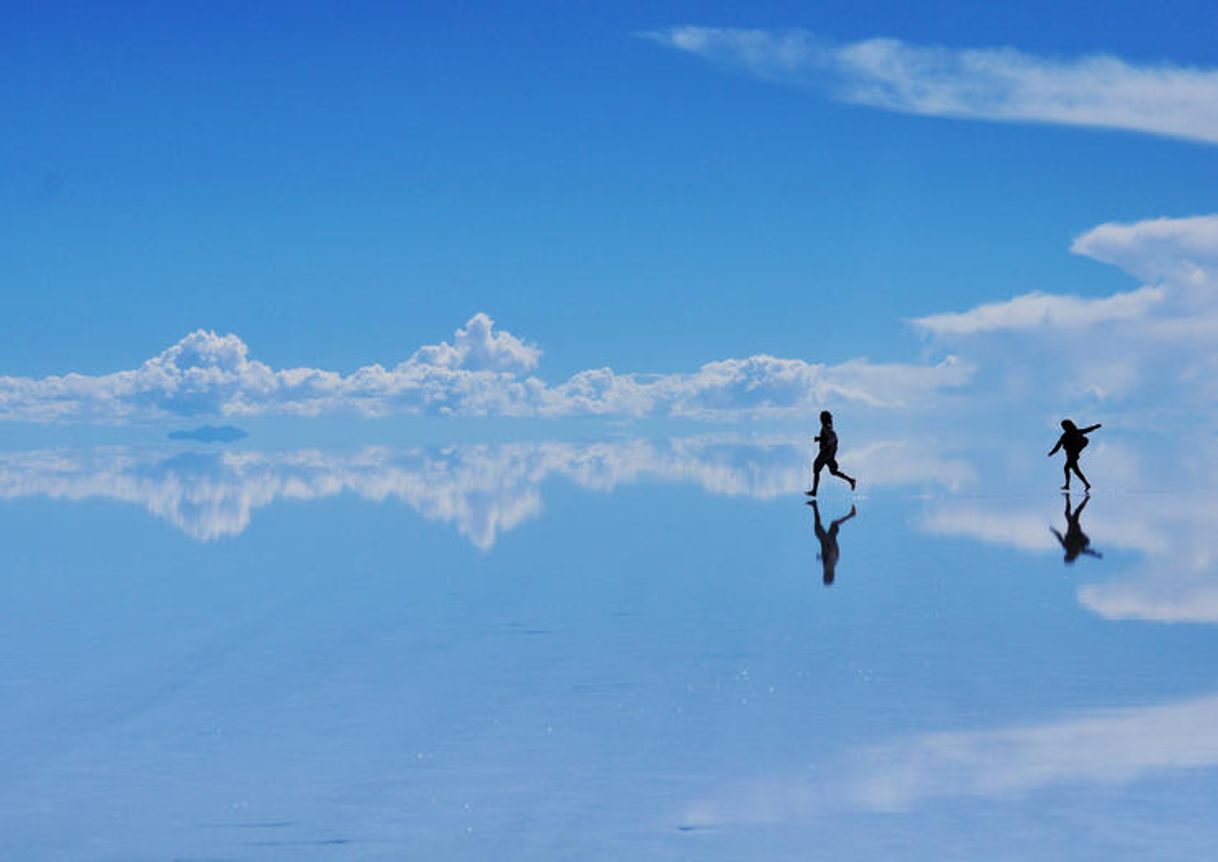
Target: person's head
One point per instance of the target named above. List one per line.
(826, 418)
(1068, 425)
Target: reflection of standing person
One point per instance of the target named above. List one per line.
(1075, 542)
(829, 551)
(1074, 441)
(827, 455)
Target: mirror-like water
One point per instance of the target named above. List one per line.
(602, 650)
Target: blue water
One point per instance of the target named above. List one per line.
(600, 650)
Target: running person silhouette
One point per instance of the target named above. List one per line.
(1073, 440)
(827, 456)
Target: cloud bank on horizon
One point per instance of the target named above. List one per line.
(1149, 346)
(1001, 84)
(483, 372)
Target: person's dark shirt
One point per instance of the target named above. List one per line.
(1073, 441)
(828, 441)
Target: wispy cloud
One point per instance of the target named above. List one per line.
(975, 83)
(1041, 310)
(483, 372)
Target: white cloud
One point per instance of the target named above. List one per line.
(480, 374)
(483, 490)
(978, 83)
(1151, 346)
(1041, 310)
(477, 347)
(1153, 342)
(1180, 251)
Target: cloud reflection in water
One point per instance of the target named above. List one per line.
(1099, 747)
(1175, 536)
(484, 490)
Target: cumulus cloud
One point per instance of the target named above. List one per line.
(482, 373)
(1151, 345)
(477, 347)
(1180, 251)
(975, 83)
(482, 490)
(1178, 258)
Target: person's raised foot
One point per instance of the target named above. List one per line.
(1086, 487)
(852, 484)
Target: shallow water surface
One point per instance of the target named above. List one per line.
(598, 650)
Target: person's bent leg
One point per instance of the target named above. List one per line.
(1079, 473)
(839, 474)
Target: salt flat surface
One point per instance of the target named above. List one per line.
(601, 650)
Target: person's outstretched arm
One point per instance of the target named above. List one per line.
(1053, 451)
(1091, 428)
(1061, 540)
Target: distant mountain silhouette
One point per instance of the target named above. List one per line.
(210, 434)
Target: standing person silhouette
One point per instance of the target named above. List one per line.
(829, 551)
(827, 456)
(1075, 542)
(1074, 441)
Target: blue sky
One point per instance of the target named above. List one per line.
(338, 188)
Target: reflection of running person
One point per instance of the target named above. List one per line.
(1075, 542)
(1074, 441)
(827, 456)
(829, 551)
